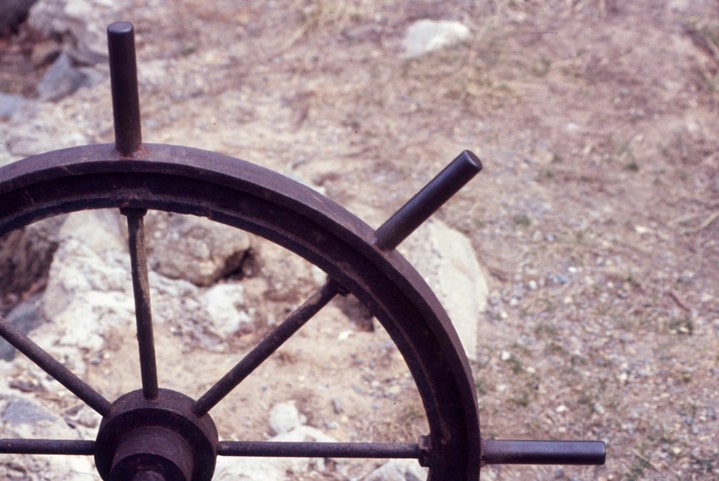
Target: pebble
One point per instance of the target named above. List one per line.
(425, 36)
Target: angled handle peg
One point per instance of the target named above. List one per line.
(425, 202)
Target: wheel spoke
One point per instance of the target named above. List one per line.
(53, 367)
(319, 450)
(143, 311)
(266, 347)
(47, 446)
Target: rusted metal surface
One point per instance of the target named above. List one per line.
(246, 196)
(249, 197)
(143, 310)
(47, 446)
(543, 452)
(313, 450)
(161, 435)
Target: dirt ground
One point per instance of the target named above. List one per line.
(596, 215)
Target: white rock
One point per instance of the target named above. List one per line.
(227, 312)
(447, 261)
(302, 434)
(284, 417)
(273, 469)
(425, 36)
(89, 286)
(398, 470)
(248, 469)
(39, 127)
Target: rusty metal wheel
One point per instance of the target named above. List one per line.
(159, 434)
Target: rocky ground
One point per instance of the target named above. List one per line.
(596, 217)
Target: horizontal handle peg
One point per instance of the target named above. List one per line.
(543, 452)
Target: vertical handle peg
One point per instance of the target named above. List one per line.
(123, 80)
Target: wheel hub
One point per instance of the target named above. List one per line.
(158, 438)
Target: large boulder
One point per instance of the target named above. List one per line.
(81, 21)
(89, 291)
(193, 248)
(25, 256)
(447, 261)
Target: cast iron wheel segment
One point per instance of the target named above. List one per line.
(134, 177)
(242, 195)
(158, 434)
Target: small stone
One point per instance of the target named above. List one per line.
(561, 409)
(505, 356)
(425, 36)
